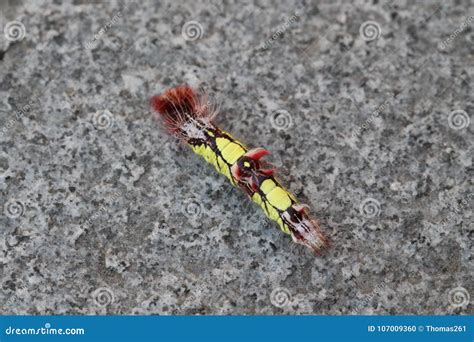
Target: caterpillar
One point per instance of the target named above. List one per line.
(189, 115)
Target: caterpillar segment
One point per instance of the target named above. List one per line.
(189, 116)
(220, 149)
(278, 204)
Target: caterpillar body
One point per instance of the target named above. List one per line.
(189, 116)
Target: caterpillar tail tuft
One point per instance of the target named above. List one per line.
(188, 115)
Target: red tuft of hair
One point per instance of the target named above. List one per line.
(176, 106)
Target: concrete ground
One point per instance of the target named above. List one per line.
(365, 106)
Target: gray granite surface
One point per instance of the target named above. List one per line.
(365, 106)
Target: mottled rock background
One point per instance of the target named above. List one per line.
(366, 108)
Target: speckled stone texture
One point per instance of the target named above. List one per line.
(366, 108)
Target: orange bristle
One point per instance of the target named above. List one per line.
(176, 106)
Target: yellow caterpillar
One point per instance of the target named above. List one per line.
(187, 116)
